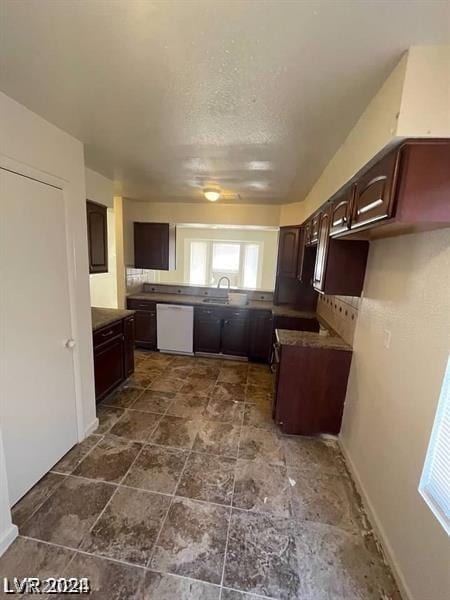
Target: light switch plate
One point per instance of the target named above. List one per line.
(387, 338)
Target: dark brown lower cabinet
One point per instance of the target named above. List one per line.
(261, 327)
(221, 330)
(207, 331)
(109, 366)
(144, 322)
(296, 323)
(310, 389)
(235, 334)
(128, 329)
(113, 356)
(145, 329)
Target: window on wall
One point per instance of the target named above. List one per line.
(210, 260)
(435, 481)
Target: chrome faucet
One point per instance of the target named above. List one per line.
(227, 278)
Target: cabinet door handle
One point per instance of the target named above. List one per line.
(340, 221)
(144, 305)
(369, 206)
(107, 333)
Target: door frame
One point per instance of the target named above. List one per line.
(24, 170)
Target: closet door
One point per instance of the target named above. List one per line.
(37, 391)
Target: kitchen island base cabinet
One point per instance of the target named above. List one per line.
(109, 366)
(310, 389)
(113, 355)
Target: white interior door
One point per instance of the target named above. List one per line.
(37, 391)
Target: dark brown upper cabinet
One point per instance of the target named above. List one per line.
(315, 224)
(154, 246)
(306, 257)
(341, 209)
(307, 233)
(97, 237)
(288, 251)
(405, 191)
(322, 249)
(375, 192)
(340, 264)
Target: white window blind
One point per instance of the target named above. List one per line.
(435, 481)
(209, 260)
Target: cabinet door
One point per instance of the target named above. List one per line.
(145, 328)
(154, 246)
(288, 251)
(97, 237)
(128, 329)
(341, 212)
(306, 257)
(322, 249)
(315, 223)
(108, 366)
(207, 333)
(260, 344)
(307, 234)
(375, 192)
(235, 336)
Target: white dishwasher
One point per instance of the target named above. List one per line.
(175, 328)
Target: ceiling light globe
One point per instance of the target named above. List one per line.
(211, 195)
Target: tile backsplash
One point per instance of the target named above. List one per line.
(341, 313)
(135, 279)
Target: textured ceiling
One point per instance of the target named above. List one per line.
(170, 96)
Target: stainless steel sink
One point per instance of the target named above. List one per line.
(215, 300)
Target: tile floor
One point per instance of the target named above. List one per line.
(188, 492)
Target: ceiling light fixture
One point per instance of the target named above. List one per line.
(211, 194)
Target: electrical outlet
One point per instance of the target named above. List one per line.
(387, 338)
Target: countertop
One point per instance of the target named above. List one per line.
(311, 339)
(101, 317)
(277, 310)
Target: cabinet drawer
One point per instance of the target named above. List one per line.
(107, 333)
(209, 312)
(375, 193)
(141, 304)
(235, 313)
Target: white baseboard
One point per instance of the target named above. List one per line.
(7, 537)
(376, 525)
(91, 428)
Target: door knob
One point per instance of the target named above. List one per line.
(70, 343)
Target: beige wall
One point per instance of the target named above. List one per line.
(392, 398)
(204, 214)
(425, 105)
(268, 239)
(201, 213)
(103, 286)
(98, 188)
